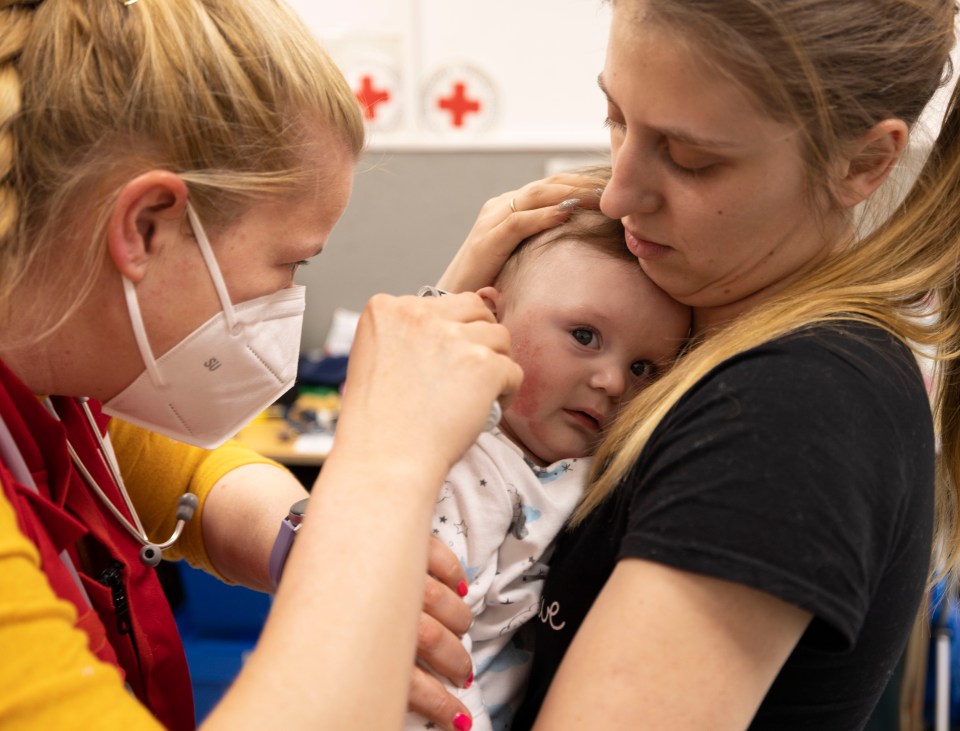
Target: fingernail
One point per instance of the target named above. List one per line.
(462, 588)
(599, 192)
(469, 682)
(568, 204)
(462, 722)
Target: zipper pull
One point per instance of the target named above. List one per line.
(112, 578)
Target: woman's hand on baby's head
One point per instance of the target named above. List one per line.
(422, 375)
(508, 219)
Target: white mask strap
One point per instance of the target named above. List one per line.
(140, 332)
(133, 305)
(207, 251)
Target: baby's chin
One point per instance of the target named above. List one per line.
(547, 457)
(542, 451)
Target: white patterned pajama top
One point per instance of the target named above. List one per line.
(500, 514)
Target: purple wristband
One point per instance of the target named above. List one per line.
(281, 546)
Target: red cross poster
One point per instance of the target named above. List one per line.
(435, 74)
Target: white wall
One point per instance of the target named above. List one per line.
(531, 65)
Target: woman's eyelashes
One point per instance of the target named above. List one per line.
(689, 169)
(614, 126)
(685, 161)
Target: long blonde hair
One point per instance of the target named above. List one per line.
(93, 92)
(836, 69)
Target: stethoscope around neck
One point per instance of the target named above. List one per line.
(151, 553)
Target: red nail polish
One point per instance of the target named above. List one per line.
(469, 682)
(462, 588)
(462, 722)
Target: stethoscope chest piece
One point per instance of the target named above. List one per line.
(152, 553)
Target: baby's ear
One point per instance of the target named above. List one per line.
(491, 298)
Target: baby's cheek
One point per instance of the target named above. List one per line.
(528, 398)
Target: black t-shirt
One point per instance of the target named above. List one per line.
(803, 467)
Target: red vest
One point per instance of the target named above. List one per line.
(130, 625)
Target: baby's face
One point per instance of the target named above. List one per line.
(589, 331)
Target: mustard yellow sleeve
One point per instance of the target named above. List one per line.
(48, 677)
(157, 470)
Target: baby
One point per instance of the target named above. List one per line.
(589, 330)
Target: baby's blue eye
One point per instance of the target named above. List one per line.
(583, 335)
(642, 369)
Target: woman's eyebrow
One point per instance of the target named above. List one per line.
(679, 135)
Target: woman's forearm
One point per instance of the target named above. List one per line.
(344, 620)
(241, 517)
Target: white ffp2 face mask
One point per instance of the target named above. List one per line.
(208, 386)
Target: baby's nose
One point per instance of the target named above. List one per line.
(610, 379)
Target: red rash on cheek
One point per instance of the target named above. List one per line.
(527, 400)
(528, 397)
(527, 406)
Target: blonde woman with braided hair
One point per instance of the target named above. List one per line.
(165, 168)
(762, 522)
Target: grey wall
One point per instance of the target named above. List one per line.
(408, 215)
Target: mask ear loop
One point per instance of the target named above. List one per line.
(140, 332)
(133, 304)
(211, 261)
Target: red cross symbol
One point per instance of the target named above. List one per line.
(369, 97)
(458, 104)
